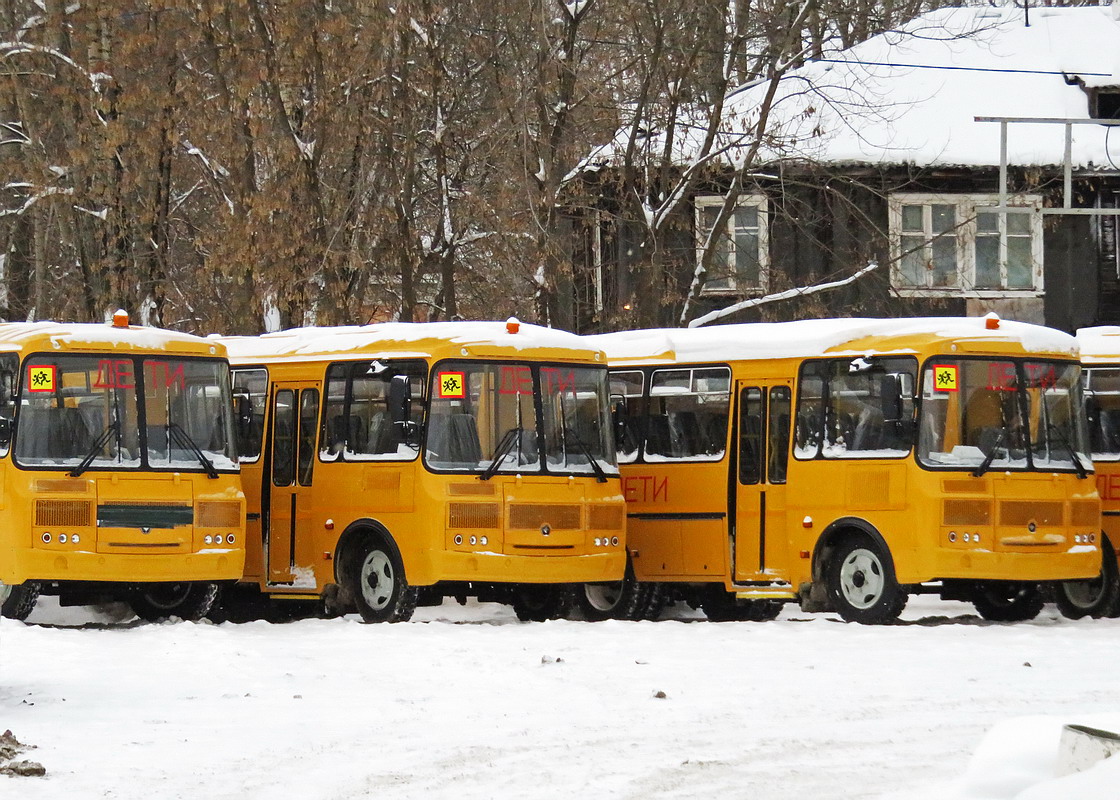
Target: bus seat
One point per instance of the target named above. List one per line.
(465, 445)
(454, 438)
(336, 434)
(659, 440)
(868, 434)
(688, 433)
(715, 432)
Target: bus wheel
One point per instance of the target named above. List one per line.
(654, 601)
(1096, 597)
(186, 599)
(861, 584)
(1007, 601)
(539, 602)
(619, 600)
(18, 601)
(381, 592)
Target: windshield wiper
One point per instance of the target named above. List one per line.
(990, 457)
(95, 450)
(600, 475)
(185, 441)
(1078, 467)
(500, 452)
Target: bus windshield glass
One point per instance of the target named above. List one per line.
(577, 420)
(77, 410)
(484, 418)
(1002, 414)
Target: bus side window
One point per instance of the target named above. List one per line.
(810, 411)
(9, 367)
(778, 434)
(750, 436)
(250, 392)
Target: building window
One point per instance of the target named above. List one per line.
(945, 245)
(740, 262)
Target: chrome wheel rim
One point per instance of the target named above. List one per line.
(603, 597)
(862, 579)
(377, 580)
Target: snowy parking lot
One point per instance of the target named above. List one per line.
(466, 702)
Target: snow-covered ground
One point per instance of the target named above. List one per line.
(466, 702)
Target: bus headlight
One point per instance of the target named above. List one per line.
(229, 538)
(46, 537)
(208, 539)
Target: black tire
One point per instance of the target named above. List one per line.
(1007, 601)
(20, 600)
(1096, 597)
(720, 605)
(622, 599)
(378, 585)
(654, 602)
(539, 602)
(189, 600)
(860, 581)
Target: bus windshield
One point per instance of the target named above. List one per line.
(484, 418)
(86, 411)
(984, 414)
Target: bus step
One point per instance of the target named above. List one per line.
(294, 597)
(766, 594)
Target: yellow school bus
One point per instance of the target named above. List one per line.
(118, 475)
(1100, 359)
(394, 464)
(846, 464)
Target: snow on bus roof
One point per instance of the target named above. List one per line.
(424, 335)
(809, 338)
(1100, 344)
(90, 336)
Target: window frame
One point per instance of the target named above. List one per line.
(750, 200)
(965, 205)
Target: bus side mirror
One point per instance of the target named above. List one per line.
(400, 410)
(892, 391)
(620, 412)
(5, 432)
(890, 397)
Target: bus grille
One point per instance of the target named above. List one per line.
(1085, 513)
(214, 514)
(476, 489)
(474, 515)
(606, 518)
(71, 513)
(1023, 512)
(527, 516)
(966, 512)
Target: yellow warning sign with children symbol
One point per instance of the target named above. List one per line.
(452, 385)
(40, 379)
(945, 378)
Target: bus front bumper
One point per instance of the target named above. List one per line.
(213, 564)
(499, 568)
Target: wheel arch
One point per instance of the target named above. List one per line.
(836, 532)
(356, 533)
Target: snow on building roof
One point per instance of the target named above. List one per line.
(911, 96)
(439, 339)
(1100, 345)
(814, 338)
